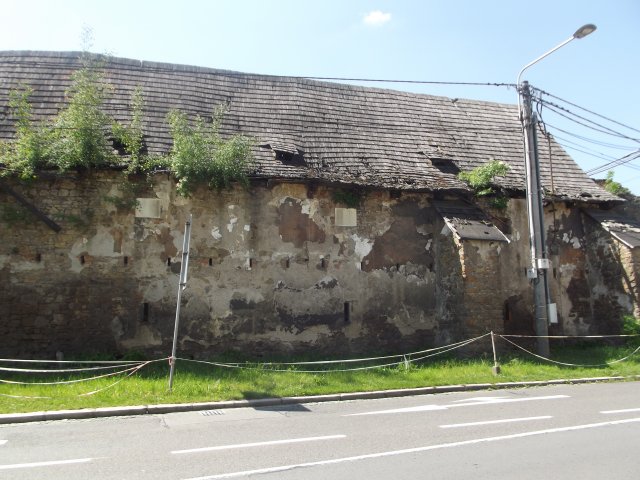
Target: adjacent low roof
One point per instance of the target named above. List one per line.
(329, 131)
(625, 229)
(468, 222)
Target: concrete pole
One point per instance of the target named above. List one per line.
(537, 272)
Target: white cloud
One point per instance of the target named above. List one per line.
(376, 18)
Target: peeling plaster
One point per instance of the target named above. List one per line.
(575, 241)
(362, 247)
(19, 264)
(215, 233)
(232, 223)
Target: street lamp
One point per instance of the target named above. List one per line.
(537, 272)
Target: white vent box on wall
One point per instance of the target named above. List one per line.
(148, 208)
(346, 217)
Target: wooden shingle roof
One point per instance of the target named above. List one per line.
(328, 131)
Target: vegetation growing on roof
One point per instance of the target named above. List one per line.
(200, 155)
(348, 198)
(75, 138)
(28, 151)
(611, 186)
(481, 181)
(82, 136)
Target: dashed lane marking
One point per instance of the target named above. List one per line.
(260, 444)
(492, 422)
(335, 461)
(45, 464)
(627, 410)
(473, 403)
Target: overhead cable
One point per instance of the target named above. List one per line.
(587, 110)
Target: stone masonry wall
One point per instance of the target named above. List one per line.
(272, 271)
(269, 271)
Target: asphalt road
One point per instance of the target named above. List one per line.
(561, 432)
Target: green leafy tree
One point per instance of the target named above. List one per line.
(28, 150)
(200, 155)
(480, 179)
(81, 130)
(611, 186)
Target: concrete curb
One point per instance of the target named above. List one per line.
(270, 402)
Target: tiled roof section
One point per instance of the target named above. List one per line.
(623, 228)
(468, 222)
(345, 133)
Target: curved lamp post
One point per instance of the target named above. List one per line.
(537, 272)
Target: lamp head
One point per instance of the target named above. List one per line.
(585, 30)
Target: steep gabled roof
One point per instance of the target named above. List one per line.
(309, 129)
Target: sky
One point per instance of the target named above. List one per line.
(449, 41)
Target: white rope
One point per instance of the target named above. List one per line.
(119, 362)
(447, 348)
(64, 370)
(570, 336)
(118, 381)
(130, 370)
(65, 382)
(571, 364)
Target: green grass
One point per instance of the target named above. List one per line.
(196, 382)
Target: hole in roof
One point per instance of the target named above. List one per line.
(290, 158)
(445, 165)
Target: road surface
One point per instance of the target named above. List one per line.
(589, 431)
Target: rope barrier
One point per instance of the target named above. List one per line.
(571, 364)
(65, 382)
(62, 370)
(130, 371)
(119, 362)
(575, 337)
(403, 360)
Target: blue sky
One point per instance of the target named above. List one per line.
(450, 41)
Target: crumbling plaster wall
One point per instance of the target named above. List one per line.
(269, 271)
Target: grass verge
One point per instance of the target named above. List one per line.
(195, 382)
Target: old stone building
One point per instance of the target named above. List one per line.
(287, 265)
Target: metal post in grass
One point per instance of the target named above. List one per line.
(182, 284)
(496, 367)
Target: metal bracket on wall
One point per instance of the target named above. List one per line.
(31, 207)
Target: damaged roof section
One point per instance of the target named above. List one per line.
(468, 222)
(623, 228)
(318, 130)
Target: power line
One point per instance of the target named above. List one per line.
(602, 129)
(587, 110)
(181, 69)
(614, 163)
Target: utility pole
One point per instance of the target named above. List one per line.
(537, 272)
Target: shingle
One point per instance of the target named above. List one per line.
(351, 134)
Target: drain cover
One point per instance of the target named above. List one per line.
(208, 413)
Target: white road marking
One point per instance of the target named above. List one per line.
(489, 401)
(492, 422)
(260, 444)
(479, 399)
(628, 410)
(2, 442)
(412, 450)
(45, 464)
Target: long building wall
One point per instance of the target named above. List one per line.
(273, 269)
